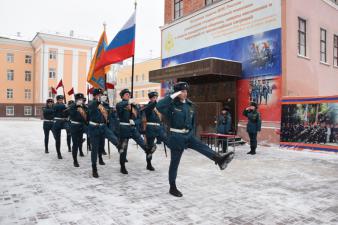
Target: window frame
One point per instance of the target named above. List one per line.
(10, 71)
(10, 57)
(30, 109)
(12, 109)
(324, 42)
(300, 33)
(51, 71)
(178, 3)
(335, 50)
(28, 93)
(28, 59)
(28, 72)
(52, 54)
(9, 93)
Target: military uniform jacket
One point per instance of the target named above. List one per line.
(94, 112)
(124, 115)
(60, 112)
(75, 113)
(254, 121)
(152, 117)
(48, 113)
(179, 115)
(224, 123)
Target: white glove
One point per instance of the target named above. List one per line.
(131, 101)
(174, 95)
(132, 122)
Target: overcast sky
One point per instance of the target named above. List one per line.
(85, 17)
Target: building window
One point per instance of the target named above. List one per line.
(52, 73)
(9, 93)
(9, 110)
(335, 50)
(178, 9)
(52, 54)
(37, 111)
(28, 59)
(323, 57)
(50, 93)
(136, 79)
(10, 74)
(27, 110)
(301, 37)
(10, 57)
(28, 94)
(28, 76)
(209, 2)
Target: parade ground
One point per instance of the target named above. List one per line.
(276, 186)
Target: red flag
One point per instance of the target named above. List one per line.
(60, 84)
(90, 90)
(71, 91)
(54, 91)
(109, 86)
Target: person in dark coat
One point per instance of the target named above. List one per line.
(78, 120)
(154, 127)
(180, 113)
(224, 121)
(253, 126)
(48, 120)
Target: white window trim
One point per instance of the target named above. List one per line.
(24, 110)
(7, 93)
(13, 110)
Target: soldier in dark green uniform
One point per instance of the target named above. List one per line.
(253, 126)
(48, 121)
(127, 112)
(180, 113)
(98, 129)
(61, 122)
(154, 127)
(224, 121)
(78, 120)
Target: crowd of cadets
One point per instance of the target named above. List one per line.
(128, 120)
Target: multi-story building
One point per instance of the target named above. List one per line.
(28, 70)
(142, 86)
(281, 54)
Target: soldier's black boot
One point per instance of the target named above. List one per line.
(123, 169)
(251, 151)
(95, 174)
(150, 151)
(149, 166)
(75, 163)
(104, 152)
(81, 153)
(101, 161)
(59, 154)
(174, 191)
(46, 150)
(223, 160)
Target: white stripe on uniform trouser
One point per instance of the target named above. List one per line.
(96, 124)
(75, 122)
(58, 118)
(154, 124)
(49, 121)
(125, 124)
(181, 131)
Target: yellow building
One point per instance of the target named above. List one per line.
(142, 86)
(28, 70)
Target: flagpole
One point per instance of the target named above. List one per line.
(64, 94)
(132, 66)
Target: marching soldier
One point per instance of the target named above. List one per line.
(127, 112)
(78, 120)
(48, 121)
(154, 128)
(180, 113)
(98, 129)
(253, 126)
(61, 122)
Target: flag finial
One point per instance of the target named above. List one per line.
(104, 25)
(135, 4)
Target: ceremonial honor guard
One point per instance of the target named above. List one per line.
(48, 121)
(98, 129)
(253, 126)
(78, 120)
(127, 112)
(154, 128)
(180, 113)
(61, 122)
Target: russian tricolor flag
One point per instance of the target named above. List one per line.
(121, 47)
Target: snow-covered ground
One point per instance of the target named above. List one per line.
(276, 186)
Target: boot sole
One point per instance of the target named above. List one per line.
(227, 161)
